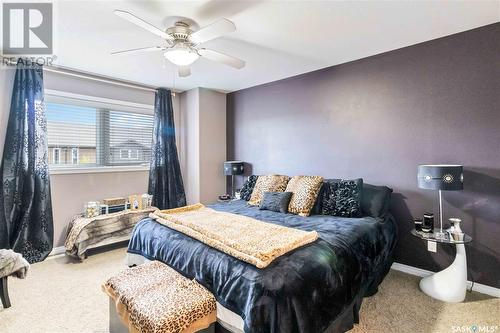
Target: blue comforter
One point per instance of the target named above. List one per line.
(307, 290)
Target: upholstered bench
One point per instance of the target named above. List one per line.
(155, 298)
(11, 264)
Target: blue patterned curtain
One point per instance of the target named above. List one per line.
(165, 179)
(25, 206)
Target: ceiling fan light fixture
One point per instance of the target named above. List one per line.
(183, 40)
(181, 56)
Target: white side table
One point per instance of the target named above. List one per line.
(450, 284)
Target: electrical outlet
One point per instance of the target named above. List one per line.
(431, 246)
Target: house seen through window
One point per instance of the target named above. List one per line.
(90, 136)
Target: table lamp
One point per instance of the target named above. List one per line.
(441, 177)
(233, 168)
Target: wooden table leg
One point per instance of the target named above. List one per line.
(4, 292)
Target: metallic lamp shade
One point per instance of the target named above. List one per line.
(441, 177)
(232, 168)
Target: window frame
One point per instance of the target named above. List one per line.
(73, 149)
(55, 96)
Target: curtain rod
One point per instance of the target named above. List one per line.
(91, 76)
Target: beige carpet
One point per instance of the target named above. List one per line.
(64, 296)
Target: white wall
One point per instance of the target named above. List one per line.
(190, 144)
(212, 144)
(71, 191)
(203, 113)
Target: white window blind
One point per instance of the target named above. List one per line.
(81, 135)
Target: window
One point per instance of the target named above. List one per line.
(124, 154)
(56, 155)
(87, 134)
(129, 154)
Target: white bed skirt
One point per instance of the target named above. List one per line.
(227, 318)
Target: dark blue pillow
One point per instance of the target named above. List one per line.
(276, 201)
(376, 200)
(342, 197)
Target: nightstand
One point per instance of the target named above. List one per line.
(450, 284)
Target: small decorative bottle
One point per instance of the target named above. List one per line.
(456, 232)
(418, 224)
(428, 224)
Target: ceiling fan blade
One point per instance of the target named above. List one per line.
(139, 50)
(212, 31)
(222, 58)
(143, 24)
(184, 71)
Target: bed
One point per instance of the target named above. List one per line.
(316, 288)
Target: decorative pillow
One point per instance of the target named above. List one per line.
(272, 183)
(375, 200)
(247, 188)
(305, 191)
(342, 197)
(276, 201)
(316, 210)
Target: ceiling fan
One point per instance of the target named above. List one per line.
(182, 47)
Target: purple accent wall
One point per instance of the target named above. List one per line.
(378, 118)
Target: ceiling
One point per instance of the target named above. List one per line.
(277, 39)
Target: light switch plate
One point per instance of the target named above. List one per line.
(431, 246)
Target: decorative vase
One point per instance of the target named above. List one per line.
(92, 209)
(455, 225)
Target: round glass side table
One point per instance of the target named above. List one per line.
(450, 284)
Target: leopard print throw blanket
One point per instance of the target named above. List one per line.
(154, 298)
(250, 240)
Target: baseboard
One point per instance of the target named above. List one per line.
(480, 288)
(57, 251)
(410, 269)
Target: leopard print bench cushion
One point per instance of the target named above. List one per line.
(158, 299)
(305, 191)
(271, 183)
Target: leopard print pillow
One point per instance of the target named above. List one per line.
(272, 183)
(305, 191)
